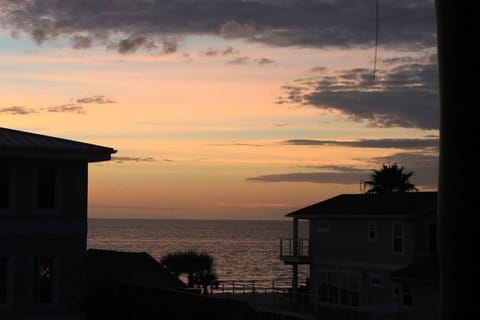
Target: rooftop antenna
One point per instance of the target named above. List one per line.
(376, 40)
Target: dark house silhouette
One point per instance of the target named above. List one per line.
(43, 224)
(108, 270)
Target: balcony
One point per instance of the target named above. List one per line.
(294, 251)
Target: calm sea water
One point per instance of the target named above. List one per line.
(241, 249)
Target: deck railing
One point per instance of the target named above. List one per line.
(294, 247)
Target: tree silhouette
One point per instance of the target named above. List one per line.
(196, 266)
(390, 178)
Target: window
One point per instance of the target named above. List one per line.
(45, 278)
(4, 186)
(372, 231)
(46, 181)
(3, 280)
(323, 226)
(376, 280)
(340, 287)
(407, 295)
(397, 238)
(403, 293)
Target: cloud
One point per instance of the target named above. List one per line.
(265, 61)
(99, 99)
(236, 144)
(313, 177)
(73, 107)
(233, 29)
(224, 52)
(239, 60)
(17, 110)
(81, 42)
(309, 23)
(423, 164)
(121, 159)
(404, 96)
(369, 143)
(133, 43)
(67, 108)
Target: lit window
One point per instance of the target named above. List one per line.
(397, 238)
(372, 231)
(46, 187)
(44, 273)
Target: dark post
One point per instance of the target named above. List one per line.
(455, 32)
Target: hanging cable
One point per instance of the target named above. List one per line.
(376, 39)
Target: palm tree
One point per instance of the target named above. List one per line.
(390, 178)
(196, 266)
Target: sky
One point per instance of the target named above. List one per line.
(226, 109)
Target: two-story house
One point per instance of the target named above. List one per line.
(356, 241)
(43, 224)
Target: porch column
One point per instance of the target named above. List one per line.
(295, 254)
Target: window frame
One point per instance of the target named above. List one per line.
(370, 229)
(57, 188)
(373, 276)
(402, 237)
(53, 301)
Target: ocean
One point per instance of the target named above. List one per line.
(242, 250)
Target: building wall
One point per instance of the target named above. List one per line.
(346, 248)
(27, 232)
(348, 240)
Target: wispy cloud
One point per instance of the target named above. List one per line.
(122, 159)
(369, 143)
(239, 60)
(17, 110)
(98, 99)
(77, 107)
(67, 108)
(423, 164)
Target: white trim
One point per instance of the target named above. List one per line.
(43, 227)
(355, 264)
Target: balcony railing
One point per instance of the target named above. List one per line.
(294, 248)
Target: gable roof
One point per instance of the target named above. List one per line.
(21, 144)
(365, 204)
(109, 267)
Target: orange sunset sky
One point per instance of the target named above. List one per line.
(225, 109)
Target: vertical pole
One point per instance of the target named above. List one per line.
(295, 254)
(456, 27)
